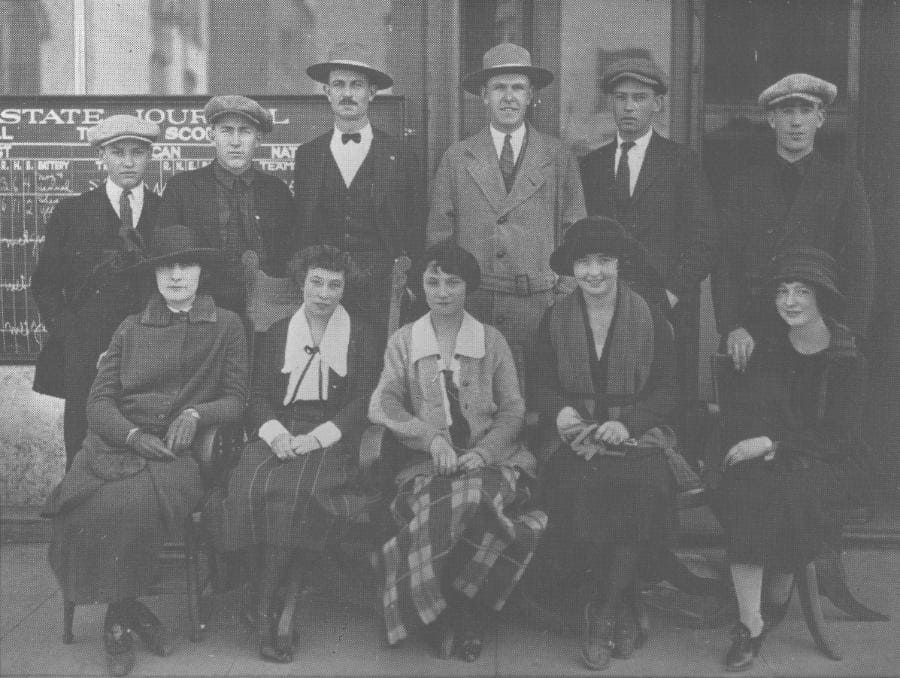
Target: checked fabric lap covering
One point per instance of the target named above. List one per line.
(475, 528)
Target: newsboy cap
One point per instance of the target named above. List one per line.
(235, 103)
(506, 58)
(803, 263)
(799, 86)
(117, 127)
(352, 57)
(637, 68)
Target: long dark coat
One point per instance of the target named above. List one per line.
(830, 212)
(671, 213)
(75, 262)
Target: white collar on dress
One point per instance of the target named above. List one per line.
(469, 339)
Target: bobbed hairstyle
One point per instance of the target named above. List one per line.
(451, 259)
(328, 257)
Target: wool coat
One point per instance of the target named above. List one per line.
(830, 212)
(672, 214)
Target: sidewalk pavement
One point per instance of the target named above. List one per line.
(341, 639)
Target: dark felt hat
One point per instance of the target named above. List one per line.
(636, 68)
(506, 58)
(591, 235)
(239, 105)
(351, 57)
(809, 265)
(177, 243)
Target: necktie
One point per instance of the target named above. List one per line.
(131, 240)
(459, 427)
(623, 176)
(507, 163)
(355, 137)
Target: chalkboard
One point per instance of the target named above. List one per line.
(44, 157)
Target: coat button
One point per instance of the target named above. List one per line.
(465, 383)
(503, 219)
(501, 254)
(501, 319)
(770, 231)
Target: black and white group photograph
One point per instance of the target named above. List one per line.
(449, 337)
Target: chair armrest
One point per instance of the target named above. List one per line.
(215, 448)
(370, 445)
(206, 447)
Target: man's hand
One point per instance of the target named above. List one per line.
(471, 460)
(150, 447)
(282, 447)
(611, 433)
(750, 449)
(304, 444)
(740, 347)
(673, 299)
(181, 432)
(443, 455)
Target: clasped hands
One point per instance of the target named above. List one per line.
(445, 459)
(588, 438)
(287, 447)
(748, 449)
(178, 440)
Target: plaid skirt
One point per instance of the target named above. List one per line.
(298, 503)
(474, 532)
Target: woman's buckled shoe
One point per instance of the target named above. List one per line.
(597, 648)
(118, 641)
(743, 650)
(152, 632)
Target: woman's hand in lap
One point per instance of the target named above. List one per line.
(304, 444)
(472, 460)
(611, 433)
(443, 455)
(750, 449)
(281, 447)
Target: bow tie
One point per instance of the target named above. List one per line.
(355, 137)
(311, 350)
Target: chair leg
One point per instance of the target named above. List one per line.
(833, 584)
(68, 618)
(808, 590)
(190, 564)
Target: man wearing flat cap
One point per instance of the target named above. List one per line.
(355, 185)
(794, 197)
(506, 195)
(78, 283)
(232, 205)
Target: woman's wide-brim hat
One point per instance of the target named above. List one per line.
(177, 243)
(591, 235)
(351, 57)
(809, 265)
(506, 58)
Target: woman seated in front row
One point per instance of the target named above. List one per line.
(312, 380)
(176, 368)
(797, 451)
(603, 380)
(449, 392)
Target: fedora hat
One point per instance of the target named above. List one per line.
(506, 58)
(806, 264)
(352, 57)
(177, 243)
(591, 235)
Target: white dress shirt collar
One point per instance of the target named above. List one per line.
(635, 156)
(350, 156)
(516, 139)
(114, 193)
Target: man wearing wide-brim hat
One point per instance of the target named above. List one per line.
(793, 197)
(77, 284)
(232, 205)
(356, 186)
(506, 195)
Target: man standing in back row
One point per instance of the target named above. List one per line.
(355, 185)
(793, 197)
(506, 195)
(657, 190)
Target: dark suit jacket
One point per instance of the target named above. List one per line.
(82, 232)
(671, 211)
(830, 212)
(190, 200)
(399, 207)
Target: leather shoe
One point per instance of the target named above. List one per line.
(773, 614)
(118, 641)
(151, 630)
(627, 636)
(743, 650)
(442, 636)
(597, 648)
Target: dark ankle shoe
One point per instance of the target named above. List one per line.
(626, 637)
(743, 650)
(597, 648)
(469, 634)
(152, 632)
(773, 614)
(441, 635)
(118, 641)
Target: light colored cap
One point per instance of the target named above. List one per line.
(235, 103)
(506, 58)
(352, 57)
(634, 68)
(799, 86)
(117, 127)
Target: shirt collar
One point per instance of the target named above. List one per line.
(114, 192)
(469, 339)
(156, 312)
(365, 134)
(227, 179)
(332, 349)
(640, 144)
(515, 138)
(801, 165)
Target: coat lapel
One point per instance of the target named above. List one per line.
(654, 159)
(148, 215)
(530, 176)
(484, 168)
(385, 166)
(315, 170)
(811, 192)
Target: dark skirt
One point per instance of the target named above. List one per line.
(610, 500)
(296, 503)
(779, 513)
(108, 533)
